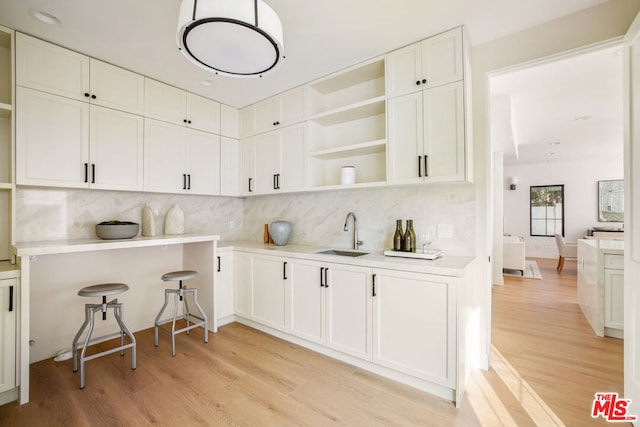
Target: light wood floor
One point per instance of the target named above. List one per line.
(540, 330)
(243, 377)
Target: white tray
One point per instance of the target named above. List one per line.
(428, 254)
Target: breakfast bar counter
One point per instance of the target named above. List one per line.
(52, 272)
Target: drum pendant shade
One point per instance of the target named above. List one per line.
(240, 38)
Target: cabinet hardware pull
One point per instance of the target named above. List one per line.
(275, 185)
(326, 282)
(419, 166)
(374, 285)
(321, 274)
(93, 173)
(218, 264)
(184, 120)
(93, 97)
(424, 81)
(284, 270)
(418, 83)
(426, 167)
(184, 181)
(11, 298)
(86, 172)
(250, 190)
(188, 181)
(189, 121)
(86, 94)
(277, 181)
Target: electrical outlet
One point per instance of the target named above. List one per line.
(232, 224)
(445, 231)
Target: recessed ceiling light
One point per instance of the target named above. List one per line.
(582, 118)
(207, 83)
(44, 17)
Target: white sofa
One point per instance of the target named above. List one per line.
(513, 253)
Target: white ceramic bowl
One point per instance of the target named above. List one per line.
(111, 230)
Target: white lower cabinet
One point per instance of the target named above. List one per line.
(8, 293)
(330, 304)
(224, 298)
(414, 324)
(268, 290)
(242, 283)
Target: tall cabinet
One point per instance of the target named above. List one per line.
(9, 275)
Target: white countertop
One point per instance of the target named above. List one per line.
(609, 246)
(86, 245)
(445, 266)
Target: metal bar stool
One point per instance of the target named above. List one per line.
(102, 290)
(179, 294)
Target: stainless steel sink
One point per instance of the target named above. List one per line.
(342, 252)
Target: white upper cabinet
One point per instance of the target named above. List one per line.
(229, 122)
(180, 160)
(247, 167)
(432, 62)
(59, 71)
(427, 140)
(279, 111)
(229, 170)
(173, 105)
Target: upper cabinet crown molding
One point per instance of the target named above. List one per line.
(53, 69)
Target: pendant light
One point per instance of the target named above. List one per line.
(239, 38)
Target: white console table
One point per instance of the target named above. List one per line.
(53, 271)
(601, 285)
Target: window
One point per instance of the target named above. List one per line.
(547, 210)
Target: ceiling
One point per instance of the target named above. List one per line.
(567, 109)
(321, 37)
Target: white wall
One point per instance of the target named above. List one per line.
(580, 179)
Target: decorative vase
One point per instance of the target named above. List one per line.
(148, 222)
(266, 237)
(280, 231)
(174, 222)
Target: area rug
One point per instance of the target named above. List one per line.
(531, 271)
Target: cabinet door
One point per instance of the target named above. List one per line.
(268, 291)
(229, 122)
(163, 157)
(442, 58)
(242, 283)
(8, 306)
(306, 310)
(266, 145)
(403, 71)
(164, 102)
(348, 293)
(614, 298)
(266, 115)
(224, 298)
(290, 157)
(405, 162)
(229, 161)
(247, 166)
(444, 133)
(292, 108)
(117, 88)
(414, 325)
(50, 68)
(203, 114)
(202, 164)
(52, 140)
(116, 150)
(248, 121)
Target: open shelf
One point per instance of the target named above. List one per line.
(359, 110)
(361, 149)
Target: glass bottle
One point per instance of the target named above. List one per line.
(409, 238)
(398, 238)
(266, 237)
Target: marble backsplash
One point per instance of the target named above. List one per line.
(52, 214)
(317, 217)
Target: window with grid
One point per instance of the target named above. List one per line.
(547, 210)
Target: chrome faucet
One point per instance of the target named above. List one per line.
(356, 242)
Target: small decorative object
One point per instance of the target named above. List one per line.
(398, 238)
(174, 222)
(148, 222)
(266, 237)
(280, 231)
(110, 230)
(348, 175)
(409, 238)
